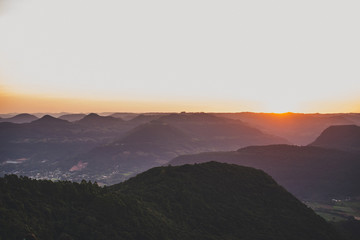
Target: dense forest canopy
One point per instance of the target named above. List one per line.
(204, 201)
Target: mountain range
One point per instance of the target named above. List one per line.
(213, 198)
(310, 173)
(297, 128)
(20, 118)
(109, 149)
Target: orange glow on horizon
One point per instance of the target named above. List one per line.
(20, 103)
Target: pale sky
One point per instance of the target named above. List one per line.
(115, 55)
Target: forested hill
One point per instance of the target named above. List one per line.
(204, 201)
(310, 173)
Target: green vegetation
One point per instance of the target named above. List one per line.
(337, 210)
(205, 201)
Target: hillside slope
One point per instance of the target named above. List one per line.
(220, 134)
(148, 145)
(344, 137)
(206, 201)
(298, 128)
(308, 172)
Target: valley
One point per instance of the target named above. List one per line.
(115, 154)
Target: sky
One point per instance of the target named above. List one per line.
(188, 55)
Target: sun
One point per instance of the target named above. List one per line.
(281, 105)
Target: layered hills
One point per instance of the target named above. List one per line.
(40, 148)
(72, 117)
(220, 133)
(308, 172)
(109, 149)
(95, 120)
(298, 128)
(20, 118)
(204, 201)
(145, 146)
(158, 141)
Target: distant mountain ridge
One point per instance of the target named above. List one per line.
(308, 172)
(344, 137)
(20, 118)
(42, 148)
(50, 120)
(155, 131)
(157, 142)
(298, 128)
(148, 145)
(72, 117)
(191, 117)
(142, 118)
(109, 150)
(95, 120)
(220, 133)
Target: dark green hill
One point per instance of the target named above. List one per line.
(308, 172)
(344, 137)
(205, 201)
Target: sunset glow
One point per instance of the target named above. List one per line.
(86, 56)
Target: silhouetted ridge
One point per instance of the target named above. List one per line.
(151, 144)
(155, 131)
(143, 118)
(226, 202)
(95, 119)
(274, 149)
(218, 132)
(20, 118)
(92, 116)
(191, 117)
(72, 117)
(124, 116)
(50, 120)
(298, 128)
(345, 137)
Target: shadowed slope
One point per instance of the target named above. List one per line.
(209, 201)
(307, 172)
(345, 137)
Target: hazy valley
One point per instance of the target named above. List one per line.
(323, 172)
